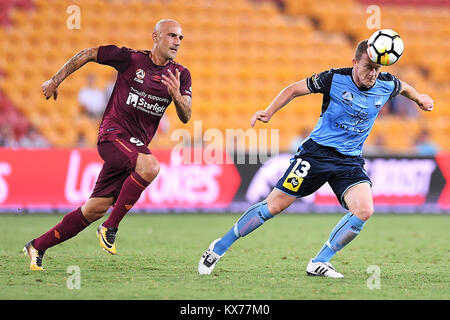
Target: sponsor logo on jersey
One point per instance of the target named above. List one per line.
(141, 104)
(149, 96)
(132, 99)
(360, 117)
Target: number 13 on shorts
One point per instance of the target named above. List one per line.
(297, 174)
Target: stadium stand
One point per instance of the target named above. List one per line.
(241, 54)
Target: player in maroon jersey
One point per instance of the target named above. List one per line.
(147, 82)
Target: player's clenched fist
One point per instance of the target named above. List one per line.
(261, 116)
(425, 102)
(49, 88)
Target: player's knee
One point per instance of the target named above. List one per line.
(148, 169)
(275, 208)
(92, 214)
(364, 211)
(276, 205)
(277, 201)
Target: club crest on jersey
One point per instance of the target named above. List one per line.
(378, 102)
(348, 97)
(140, 74)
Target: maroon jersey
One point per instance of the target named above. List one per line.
(139, 98)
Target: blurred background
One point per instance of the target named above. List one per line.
(241, 53)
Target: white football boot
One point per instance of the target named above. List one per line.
(322, 269)
(209, 259)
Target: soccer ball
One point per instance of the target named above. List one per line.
(385, 47)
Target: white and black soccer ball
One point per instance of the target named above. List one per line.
(385, 47)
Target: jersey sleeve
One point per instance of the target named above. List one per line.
(185, 83)
(111, 55)
(321, 82)
(397, 86)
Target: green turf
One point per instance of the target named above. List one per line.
(158, 255)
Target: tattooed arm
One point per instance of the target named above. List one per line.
(183, 103)
(50, 87)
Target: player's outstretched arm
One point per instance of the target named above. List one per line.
(422, 100)
(182, 103)
(50, 87)
(296, 89)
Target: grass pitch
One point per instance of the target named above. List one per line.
(158, 255)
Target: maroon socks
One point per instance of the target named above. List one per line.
(129, 195)
(70, 226)
(74, 221)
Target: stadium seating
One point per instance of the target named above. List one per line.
(240, 54)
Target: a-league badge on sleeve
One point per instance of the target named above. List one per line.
(292, 182)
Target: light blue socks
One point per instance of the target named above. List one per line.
(254, 217)
(344, 232)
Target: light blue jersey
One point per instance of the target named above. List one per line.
(348, 112)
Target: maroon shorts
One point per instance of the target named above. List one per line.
(120, 152)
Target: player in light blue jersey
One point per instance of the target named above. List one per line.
(352, 99)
